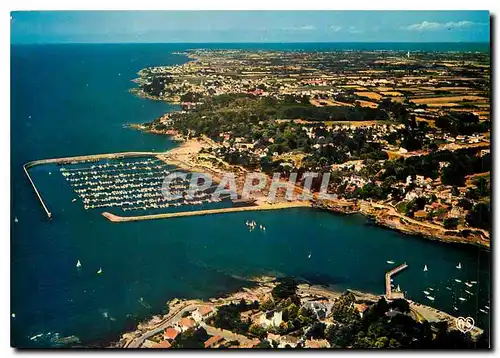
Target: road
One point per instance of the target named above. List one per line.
(167, 322)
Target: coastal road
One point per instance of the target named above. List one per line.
(172, 318)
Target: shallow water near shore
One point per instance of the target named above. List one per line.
(74, 100)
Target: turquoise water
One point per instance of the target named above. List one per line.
(72, 100)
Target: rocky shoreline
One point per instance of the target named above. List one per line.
(259, 289)
(381, 216)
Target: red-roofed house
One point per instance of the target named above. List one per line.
(361, 308)
(185, 323)
(320, 343)
(170, 333)
(162, 344)
(212, 341)
(201, 313)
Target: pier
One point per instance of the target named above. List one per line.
(77, 159)
(388, 289)
(277, 206)
(49, 214)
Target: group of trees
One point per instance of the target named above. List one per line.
(191, 338)
(377, 330)
(459, 164)
(228, 317)
(462, 123)
(157, 84)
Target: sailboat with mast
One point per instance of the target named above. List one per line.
(78, 264)
(459, 266)
(425, 268)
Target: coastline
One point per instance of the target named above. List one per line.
(185, 157)
(260, 289)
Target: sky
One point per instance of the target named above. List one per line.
(248, 26)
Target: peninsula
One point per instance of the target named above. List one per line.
(405, 137)
(283, 313)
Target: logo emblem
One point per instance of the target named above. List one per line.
(464, 325)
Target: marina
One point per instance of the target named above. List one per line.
(138, 260)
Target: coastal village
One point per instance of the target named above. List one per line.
(405, 136)
(284, 314)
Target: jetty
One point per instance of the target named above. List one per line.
(74, 160)
(389, 294)
(277, 206)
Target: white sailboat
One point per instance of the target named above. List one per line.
(430, 298)
(309, 256)
(426, 292)
(459, 266)
(390, 262)
(425, 268)
(462, 299)
(468, 284)
(457, 280)
(78, 264)
(100, 271)
(15, 220)
(398, 289)
(483, 311)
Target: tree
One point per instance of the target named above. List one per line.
(257, 331)
(480, 216)
(317, 330)
(287, 287)
(450, 223)
(191, 338)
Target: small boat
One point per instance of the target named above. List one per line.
(473, 282)
(398, 289)
(448, 288)
(430, 288)
(430, 298)
(456, 309)
(100, 271)
(425, 268)
(468, 284)
(78, 264)
(36, 336)
(390, 262)
(50, 173)
(483, 311)
(457, 280)
(470, 293)
(459, 266)
(426, 292)
(15, 220)
(462, 299)
(73, 200)
(309, 256)
(487, 307)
